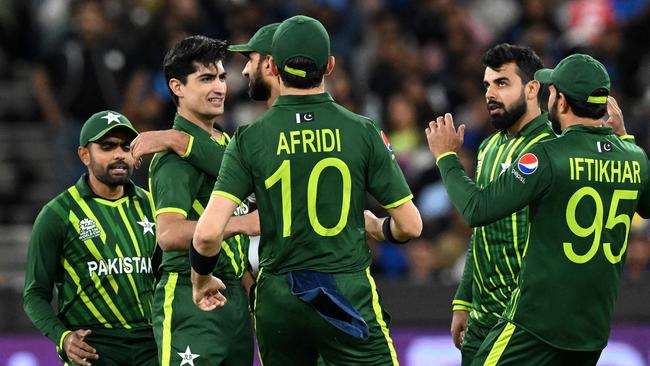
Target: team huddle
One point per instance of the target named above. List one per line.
(162, 276)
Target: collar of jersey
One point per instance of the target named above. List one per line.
(535, 124)
(85, 192)
(182, 124)
(303, 99)
(599, 130)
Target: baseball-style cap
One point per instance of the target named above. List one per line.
(100, 123)
(300, 36)
(578, 76)
(260, 42)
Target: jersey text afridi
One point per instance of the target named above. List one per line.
(310, 162)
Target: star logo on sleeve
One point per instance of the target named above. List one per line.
(111, 117)
(504, 167)
(187, 357)
(147, 226)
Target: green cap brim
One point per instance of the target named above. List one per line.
(241, 48)
(544, 76)
(104, 132)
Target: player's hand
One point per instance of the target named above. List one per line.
(77, 350)
(459, 326)
(206, 292)
(251, 225)
(150, 142)
(615, 120)
(373, 225)
(443, 137)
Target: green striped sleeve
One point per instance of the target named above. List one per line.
(43, 261)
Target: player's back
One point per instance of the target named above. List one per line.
(578, 237)
(312, 162)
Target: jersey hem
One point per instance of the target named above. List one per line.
(399, 202)
(445, 155)
(171, 210)
(189, 146)
(587, 349)
(227, 195)
(63, 337)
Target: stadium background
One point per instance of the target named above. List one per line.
(401, 62)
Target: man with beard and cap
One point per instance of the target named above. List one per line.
(582, 190)
(310, 163)
(494, 257)
(94, 243)
(262, 85)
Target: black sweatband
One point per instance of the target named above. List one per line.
(388, 235)
(202, 264)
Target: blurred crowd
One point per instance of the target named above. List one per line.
(400, 62)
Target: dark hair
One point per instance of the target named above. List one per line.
(181, 60)
(524, 57)
(313, 78)
(586, 109)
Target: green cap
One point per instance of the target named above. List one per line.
(300, 36)
(577, 76)
(260, 42)
(100, 123)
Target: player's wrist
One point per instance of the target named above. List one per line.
(202, 264)
(388, 234)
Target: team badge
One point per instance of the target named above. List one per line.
(528, 163)
(305, 117)
(604, 146)
(88, 229)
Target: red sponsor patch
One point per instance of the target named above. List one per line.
(386, 142)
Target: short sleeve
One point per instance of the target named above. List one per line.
(385, 179)
(173, 185)
(205, 153)
(235, 177)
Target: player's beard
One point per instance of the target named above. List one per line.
(259, 90)
(510, 115)
(554, 117)
(103, 174)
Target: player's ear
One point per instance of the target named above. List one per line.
(274, 67)
(331, 61)
(562, 105)
(175, 87)
(84, 155)
(532, 89)
(266, 65)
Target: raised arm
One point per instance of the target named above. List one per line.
(509, 193)
(200, 151)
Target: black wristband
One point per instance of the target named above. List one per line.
(388, 235)
(202, 264)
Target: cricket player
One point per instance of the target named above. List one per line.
(94, 243)
(582, 190)
(309, 162)
(205, 153)
(494, 257)
(197, 81)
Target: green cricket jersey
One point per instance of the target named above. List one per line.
(97, 253)
(582, 190)
(494, 257)
(309, 162)
(180, 187)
